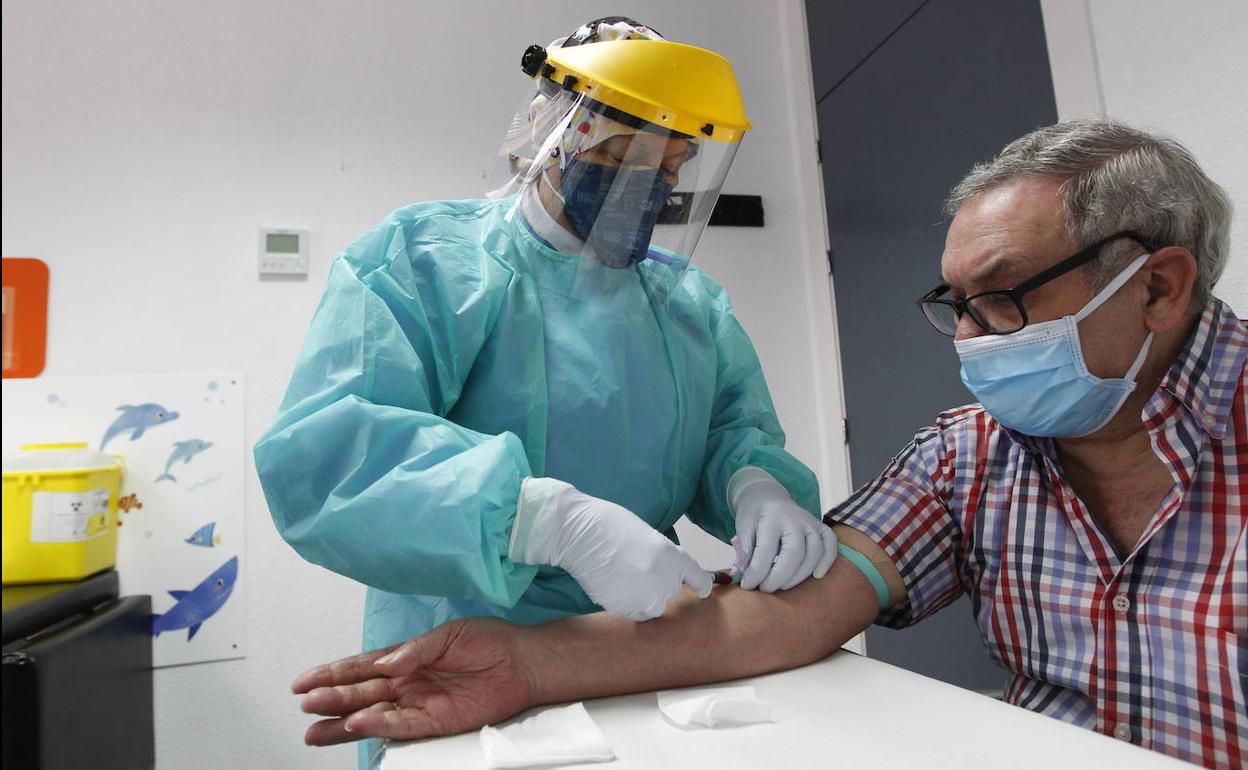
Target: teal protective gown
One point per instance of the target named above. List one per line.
(445, 364)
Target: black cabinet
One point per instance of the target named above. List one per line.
(77, 677)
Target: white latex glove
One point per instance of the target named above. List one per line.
(786, 544)
(622, 563)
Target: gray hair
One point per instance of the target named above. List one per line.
(1117, 178)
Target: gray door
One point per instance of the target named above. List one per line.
(911, 94)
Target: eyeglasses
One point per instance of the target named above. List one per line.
(1001, 311)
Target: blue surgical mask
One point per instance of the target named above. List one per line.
(613, 210)
(1035, 381)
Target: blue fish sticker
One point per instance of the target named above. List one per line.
(198, 604)
(137, 419)
(204, 536)
(183, 451)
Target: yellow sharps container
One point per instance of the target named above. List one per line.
(60, 512)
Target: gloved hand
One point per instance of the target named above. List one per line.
(623, 564)
(785, 542)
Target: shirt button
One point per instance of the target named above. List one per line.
(1121, 603)
(1122, 733)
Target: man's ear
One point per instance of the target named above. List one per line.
(1170, 275)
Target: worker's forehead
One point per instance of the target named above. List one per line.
(650, 144)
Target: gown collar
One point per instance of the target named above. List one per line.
(544, 225)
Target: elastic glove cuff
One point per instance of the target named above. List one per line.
(536, 529)
(748, 477)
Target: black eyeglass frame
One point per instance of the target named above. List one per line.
(1015, 294)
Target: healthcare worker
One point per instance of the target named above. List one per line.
(503, 406)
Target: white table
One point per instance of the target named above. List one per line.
(843, 712)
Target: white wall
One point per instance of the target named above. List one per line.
(145, 141)
(1177, 68)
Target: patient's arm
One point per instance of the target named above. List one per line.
(732, 634)
(467, 673)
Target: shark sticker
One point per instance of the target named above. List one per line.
(200, 603)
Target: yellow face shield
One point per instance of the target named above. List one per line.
(620, 157)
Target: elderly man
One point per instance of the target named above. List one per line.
(1092, 504)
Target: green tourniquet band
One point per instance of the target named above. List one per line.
(869, 571)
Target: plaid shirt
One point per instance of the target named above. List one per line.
(1151, 648)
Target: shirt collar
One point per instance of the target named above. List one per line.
(1206, 373)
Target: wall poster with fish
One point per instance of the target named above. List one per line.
(181, 511)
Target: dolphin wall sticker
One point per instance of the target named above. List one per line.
(137, 419)
(183, 451)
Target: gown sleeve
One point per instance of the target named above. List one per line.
(362, 472)
(744, 429)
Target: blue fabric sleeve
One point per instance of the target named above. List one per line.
(362, 472)
(744, 429)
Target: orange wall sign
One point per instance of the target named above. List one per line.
(25, 316)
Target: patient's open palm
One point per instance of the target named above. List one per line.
(475, 681)
(458, 677)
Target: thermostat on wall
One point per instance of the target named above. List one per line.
(283, 251)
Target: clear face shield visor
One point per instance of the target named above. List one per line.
(609, 190)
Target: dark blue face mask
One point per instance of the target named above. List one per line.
(619, 234)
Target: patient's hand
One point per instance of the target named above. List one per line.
(478, 671)
(458, 677)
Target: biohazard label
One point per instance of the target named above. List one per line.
(66, 517)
